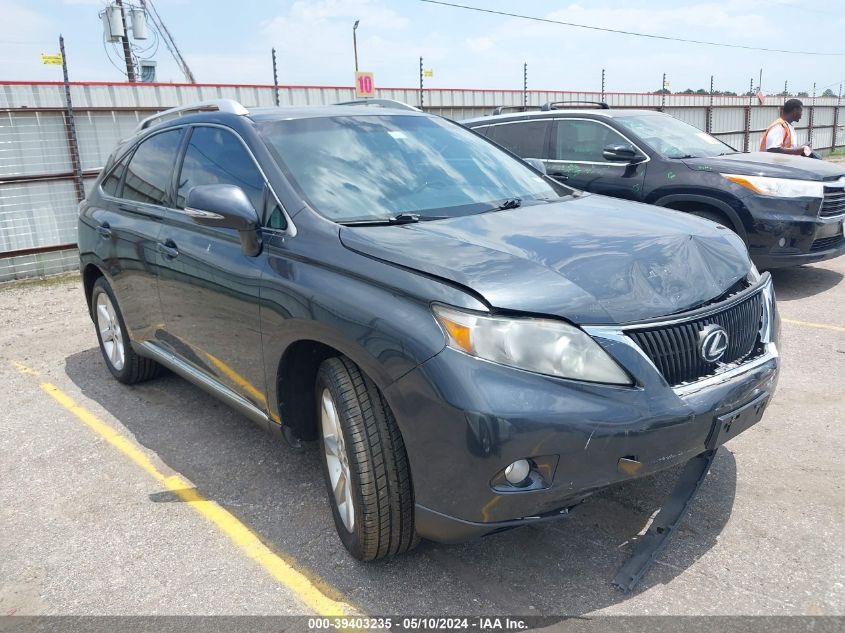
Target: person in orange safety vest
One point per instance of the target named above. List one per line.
(780, 136)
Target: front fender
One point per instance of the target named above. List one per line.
(386, 329)
(732, 208)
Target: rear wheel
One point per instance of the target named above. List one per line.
(364, 462)
(122, 361)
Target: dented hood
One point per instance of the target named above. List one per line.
(592, 260)
(769, 164)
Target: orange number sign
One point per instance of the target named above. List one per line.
(364, 85)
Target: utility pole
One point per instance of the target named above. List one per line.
(127, 51)
(785, 88)
(663, 94)
(525, 84)
(169, 42)
(355, 43)
(275, 79)
(421, 83)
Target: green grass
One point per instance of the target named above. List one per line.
(51, 280)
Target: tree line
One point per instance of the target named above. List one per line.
(728, 93)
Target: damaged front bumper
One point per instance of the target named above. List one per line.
(465, 420)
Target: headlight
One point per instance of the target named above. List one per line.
(542, 346)
(779, 187)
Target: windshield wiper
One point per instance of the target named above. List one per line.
(509, 203)
(504, 205)
(682, 157)
(399, 218)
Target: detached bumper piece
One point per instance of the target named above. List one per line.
(666, 522)
(677, 503)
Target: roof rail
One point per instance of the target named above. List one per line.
(557, 105)
(381, 103)
(217, 105)
(520, 108)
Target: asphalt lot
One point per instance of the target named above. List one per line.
(87, 530)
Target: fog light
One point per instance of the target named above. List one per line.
(517, 472)
(782, 242)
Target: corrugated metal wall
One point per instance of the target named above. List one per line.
(39, 195)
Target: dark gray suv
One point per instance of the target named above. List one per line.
(789, 210)
(475, 346)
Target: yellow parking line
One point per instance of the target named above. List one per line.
(236, 378)
(286, 573)
(822, 326)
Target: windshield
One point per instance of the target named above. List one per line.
(674, 138)
(370, 167)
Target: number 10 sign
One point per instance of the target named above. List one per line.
(364, 85)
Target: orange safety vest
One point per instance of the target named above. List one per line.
(787, 135)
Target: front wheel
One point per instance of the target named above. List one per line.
(364, 462)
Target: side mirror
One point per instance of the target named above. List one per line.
(226, 207)
(622, 153)
(537, 164)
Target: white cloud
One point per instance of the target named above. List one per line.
(479, 44)
(21, 22)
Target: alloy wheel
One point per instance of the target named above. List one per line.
(337, 460)
(110, 333)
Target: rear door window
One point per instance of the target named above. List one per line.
(217, 157)
(524, 138)
(151, 169)
(578, 140)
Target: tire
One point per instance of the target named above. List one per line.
(375, 514)
(718, 218)
(122, 361)
(713, 216)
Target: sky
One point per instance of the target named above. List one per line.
(229, 42)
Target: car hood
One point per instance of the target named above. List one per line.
(592, 260)
(769, 164)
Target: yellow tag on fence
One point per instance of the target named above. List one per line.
(53, 59)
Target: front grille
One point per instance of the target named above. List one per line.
(824, 243)
(833, 203)
(674, 349)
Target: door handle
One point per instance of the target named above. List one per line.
(559, 175)
(168, 249)
(104, 230)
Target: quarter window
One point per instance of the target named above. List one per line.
(214, 157)
(583, 141)
(111, 184)
(526, 138)
(151, 168)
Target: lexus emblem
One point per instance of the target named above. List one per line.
(713, 341)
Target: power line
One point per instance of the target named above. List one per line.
(633, 33)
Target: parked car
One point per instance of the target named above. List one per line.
(788, 210)
(475, 346)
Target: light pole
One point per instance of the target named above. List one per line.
(355, 43)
